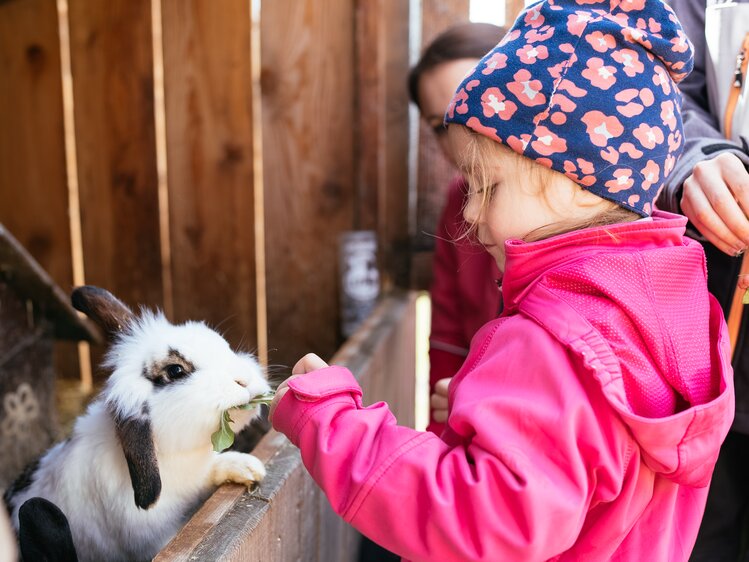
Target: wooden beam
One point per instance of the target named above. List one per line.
(112, 67)
(210, 152)
(308, 145)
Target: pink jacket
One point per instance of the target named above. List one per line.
(464, 290)
(584, 424)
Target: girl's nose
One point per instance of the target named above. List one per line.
(471, 211)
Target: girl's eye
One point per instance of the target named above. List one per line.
(439, 129)
(175, 371)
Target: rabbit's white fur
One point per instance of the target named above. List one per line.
(87, 476)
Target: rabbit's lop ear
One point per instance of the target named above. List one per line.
(111, 314)
(44, 533)
(136, 439)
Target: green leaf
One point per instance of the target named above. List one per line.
(745, 300)
(223, 438)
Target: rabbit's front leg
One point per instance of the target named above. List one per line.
(241, 468)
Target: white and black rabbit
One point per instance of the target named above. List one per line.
(140, 459)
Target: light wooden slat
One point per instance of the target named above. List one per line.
(112, 67)
(208, 103)
(308, 145)
(288, 518)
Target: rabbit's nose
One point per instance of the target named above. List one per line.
(241, 383)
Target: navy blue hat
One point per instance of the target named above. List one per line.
(586, 88)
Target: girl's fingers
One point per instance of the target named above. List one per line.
(282, 389)
(308, 363)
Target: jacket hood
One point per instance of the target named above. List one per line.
(658, 335)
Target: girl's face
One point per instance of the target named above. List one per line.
(436, 89)
(524, 197)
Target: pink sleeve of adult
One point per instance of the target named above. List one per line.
(515, 488)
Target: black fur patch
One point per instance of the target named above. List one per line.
(22, 482)
(44, 533)
(159, 372)
(136, 438)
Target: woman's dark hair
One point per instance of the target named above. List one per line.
(463, 41)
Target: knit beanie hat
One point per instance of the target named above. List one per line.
(586, 88)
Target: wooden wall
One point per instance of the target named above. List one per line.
(278, 125)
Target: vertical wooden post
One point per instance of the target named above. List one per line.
(33, 185)
(382, 63)
(209, 137)
(308, 133)
(33, 181)
(112, 64)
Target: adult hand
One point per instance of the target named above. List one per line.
(438, 400)
(715, 198)
(306, 364)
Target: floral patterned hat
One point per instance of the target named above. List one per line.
(586, 88)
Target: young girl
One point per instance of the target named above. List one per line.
(464, 290)
(586, 420)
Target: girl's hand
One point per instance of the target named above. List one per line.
(439, 400)
(306, 364)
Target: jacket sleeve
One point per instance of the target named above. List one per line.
(702, 137)
(515, 487)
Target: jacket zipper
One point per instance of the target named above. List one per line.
(739, 78)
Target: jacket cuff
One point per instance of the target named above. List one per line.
(311, 392)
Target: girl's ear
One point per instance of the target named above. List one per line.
(109, 313)
(136, 438)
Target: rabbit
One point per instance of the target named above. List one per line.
(140, 460)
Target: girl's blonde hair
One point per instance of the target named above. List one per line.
(479, 158)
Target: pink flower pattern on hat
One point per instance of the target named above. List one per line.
(587, 88)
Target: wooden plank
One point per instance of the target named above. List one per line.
(382, 194)
(209, 135)
(33, 180)
(33, 183)
(308, 132)
(434, 171)
(287, 517)
(112, 67)
(45, 299)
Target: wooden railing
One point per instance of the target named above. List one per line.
(287, 517)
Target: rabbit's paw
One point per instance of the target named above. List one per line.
(241, 468)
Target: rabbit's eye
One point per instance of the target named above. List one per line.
(175, 371)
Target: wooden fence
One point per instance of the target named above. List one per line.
(204, 156)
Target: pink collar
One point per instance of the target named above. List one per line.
(528, 261)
